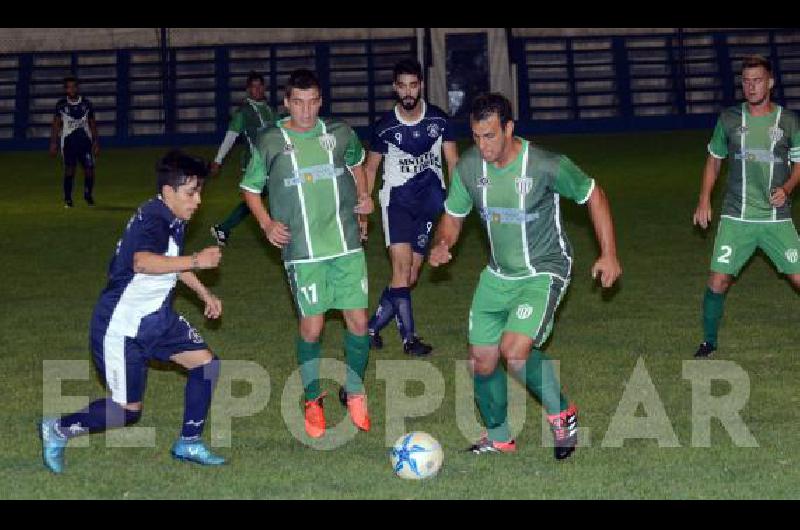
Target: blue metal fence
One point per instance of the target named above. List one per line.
(639, 82)
(137, 104)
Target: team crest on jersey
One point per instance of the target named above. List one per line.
(775, 134)
(422, 240)
(524, 311)
(327, 141)
(433, 130)
(791, 255)
(524, 185)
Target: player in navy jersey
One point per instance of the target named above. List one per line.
(411, 137)
(75, 126)
(134, 322)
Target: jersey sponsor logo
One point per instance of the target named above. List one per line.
(791, 255)
(288, 149)
(433, 130)
(742, 129)
(415, 134)
(416, 165)
(524, 185)
(484, 182)
(524, 311)
(775, 134)
(327, 141)
(758, 155)
(195, 423)
(314, 174)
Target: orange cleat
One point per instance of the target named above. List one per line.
(315, 417)
(357, 406)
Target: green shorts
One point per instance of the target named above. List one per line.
(525, 306)
(736, 242)
(336, 283)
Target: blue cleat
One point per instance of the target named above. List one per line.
(53, 444)
(195, 452)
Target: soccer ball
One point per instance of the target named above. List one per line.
(416, 455)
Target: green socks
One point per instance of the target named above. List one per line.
(540, 378)
(235, 217)
(356, 353)
(308, 355)
(491, 396)
(712, 314)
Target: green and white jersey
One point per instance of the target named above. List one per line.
(311, 188)
(251, 116)
(519, 207)
(759, 151)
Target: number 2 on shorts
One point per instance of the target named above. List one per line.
(726, 254)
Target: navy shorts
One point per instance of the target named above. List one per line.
(78, 148)
(122, 361)
(409, 214)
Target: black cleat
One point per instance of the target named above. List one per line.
(89, 200)
(565, 432)
(705, 350)
(417, 348)
(219, 235)
(375, 341)
(68, 203)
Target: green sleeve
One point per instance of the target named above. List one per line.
(255, 176)
(571, 182)
(459, 202)
(354, 153)
(718, 146)
(237, 122)
(794, 144)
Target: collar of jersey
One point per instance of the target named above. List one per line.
(78, 102)
(166, 213)
(764, 117)
(256, 102)
(314, 131)
(411, 123)
(513, 162)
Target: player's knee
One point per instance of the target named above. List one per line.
(481, 365)
(720, 283)
(310, 334)
(794, 279)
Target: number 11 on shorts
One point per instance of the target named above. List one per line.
(310, 292)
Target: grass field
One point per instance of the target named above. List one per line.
(54, 263)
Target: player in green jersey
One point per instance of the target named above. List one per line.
(253, 114)
(516, 188)
(761, 141)
(317, 189)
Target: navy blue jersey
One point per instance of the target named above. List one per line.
(75, 117)
(412, 150)
(130, 296)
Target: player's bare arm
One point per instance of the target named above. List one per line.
(213, 307)
(702, 214)
(276, 232)
(371, 169)
(95, 136)
(446, 236)
(151, 263)
(365, 205)
(55, 131)
(781, 193)
(607, 265)
(451, 156)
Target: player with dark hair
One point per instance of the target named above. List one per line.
(134, 322)
(516, 188)
(761, 141)
(74, 129)
(316, 189)
(251, 116)
(411, 137)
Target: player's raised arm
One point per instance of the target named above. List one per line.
(55, 131)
